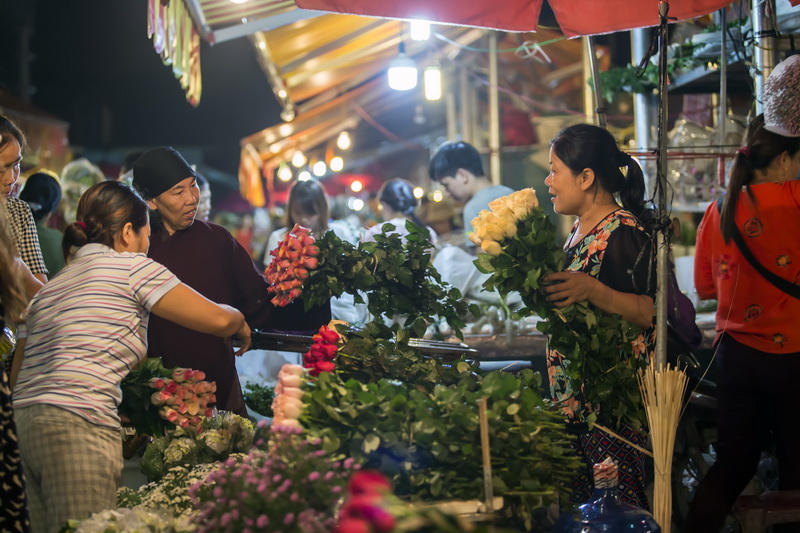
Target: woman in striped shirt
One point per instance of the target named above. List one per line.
(87, 330)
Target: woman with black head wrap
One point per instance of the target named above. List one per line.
(398, 206)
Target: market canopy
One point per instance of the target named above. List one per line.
(575, 17)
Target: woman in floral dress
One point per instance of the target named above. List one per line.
(608, 258)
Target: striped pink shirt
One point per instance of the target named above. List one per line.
(87, 328)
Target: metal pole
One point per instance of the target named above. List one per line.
(661, 177)
(450, 104)
(600, 108)
(723, 78)
(640, 41)
(643, 116)
(466, 107)
(764, 46)
(494, 112)
(588, 99)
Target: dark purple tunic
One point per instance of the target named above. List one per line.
(208, 259)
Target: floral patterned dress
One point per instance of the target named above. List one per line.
(612, 252)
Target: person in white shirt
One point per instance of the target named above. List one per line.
(458, 167)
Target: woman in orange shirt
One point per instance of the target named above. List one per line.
(758, 325)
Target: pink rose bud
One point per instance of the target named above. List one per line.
(171, 415)
(209, 413)
(183, 408)
(172, 386)
(179, 374)
(156, 399)
(199, 375)
(294, 392)
(289, 380)
(295, 370)
(157, 383)
(184, 422)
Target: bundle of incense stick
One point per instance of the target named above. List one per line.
(663, 391)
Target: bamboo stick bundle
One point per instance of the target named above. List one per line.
(663, 392)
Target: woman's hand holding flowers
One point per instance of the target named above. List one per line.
(570, 287)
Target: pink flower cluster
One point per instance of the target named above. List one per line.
(295, 256)
(364, 510)
(183, 399)
(288, 402)
(319, 358)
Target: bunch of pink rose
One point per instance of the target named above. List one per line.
(319, 358)
(288, 402)
(183, 399)
(295, 256)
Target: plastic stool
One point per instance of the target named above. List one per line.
(756, 513)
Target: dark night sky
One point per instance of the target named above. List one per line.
(95, 67)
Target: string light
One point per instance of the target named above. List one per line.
(298, 159)
(356, 204)
(319, 169)
(284, 172)
(304, 176)
(356, 186)
(337, 164)
(343, 141)
(418, 192)
(437, 196)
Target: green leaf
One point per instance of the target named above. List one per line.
(371, 443)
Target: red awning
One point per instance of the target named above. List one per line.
(575, 17)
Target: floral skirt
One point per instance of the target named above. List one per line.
(14, 510)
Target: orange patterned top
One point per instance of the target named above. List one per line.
(755, 312)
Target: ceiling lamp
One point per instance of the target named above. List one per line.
(284, 172)
(298, 159)
(337, 164)
(402, 71)
(319, 169)
(433, 83)
(343, 141)
(420, 30)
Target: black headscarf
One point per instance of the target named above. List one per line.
(158, 170)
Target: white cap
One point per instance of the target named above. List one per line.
(782, 98)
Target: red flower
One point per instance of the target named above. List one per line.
(352, 525)
(327, 335)
(324, 366)
(368, 482)
(310, 263)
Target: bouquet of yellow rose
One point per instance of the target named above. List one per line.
(519, 244)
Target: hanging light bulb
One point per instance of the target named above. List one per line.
(304, 176)
(356, 186)
(418, 192)
(402, 71)
(284, 172)
(298, 159)
(437, 196)
(319, 169)
(343, 141)
(420, 30)
(433, 83)
(337, 164)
